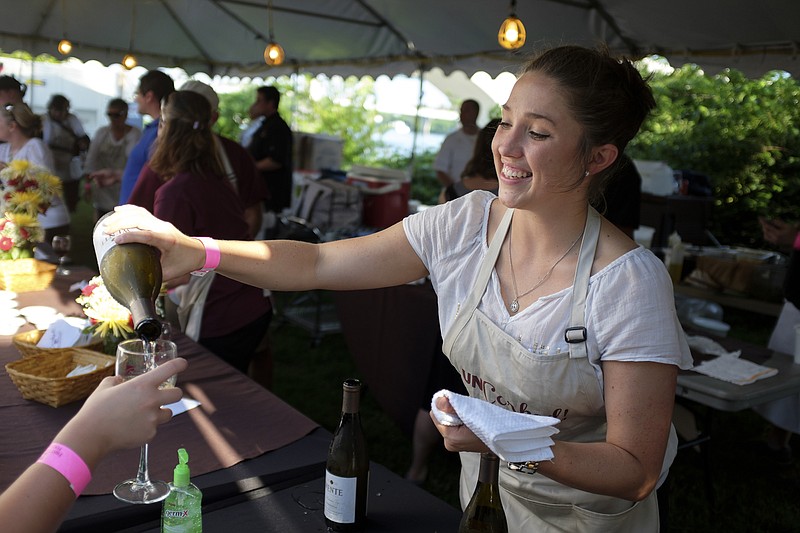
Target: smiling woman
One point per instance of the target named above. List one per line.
(602, 356)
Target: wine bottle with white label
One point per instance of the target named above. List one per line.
(484, 512)
(132, 274)
(347, 470)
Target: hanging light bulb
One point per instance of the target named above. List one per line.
(273, 53)
(64, 47)
(512, 32)
(129, 61)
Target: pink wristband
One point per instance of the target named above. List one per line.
(69, 464)
(797, 241)
(212, 256)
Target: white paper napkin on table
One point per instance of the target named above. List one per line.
(181, 406)
(735, 370)
(511, 436)
(727, 366)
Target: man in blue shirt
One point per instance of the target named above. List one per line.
(154, 87)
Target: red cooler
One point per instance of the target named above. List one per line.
(385, 194)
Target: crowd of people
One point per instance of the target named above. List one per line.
(212, 185)
(543, 296)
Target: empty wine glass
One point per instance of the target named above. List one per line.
(136, 357)
(61, 245)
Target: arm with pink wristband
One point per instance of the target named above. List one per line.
(213, 256)
(116, 416)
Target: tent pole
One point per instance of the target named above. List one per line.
(416, 122)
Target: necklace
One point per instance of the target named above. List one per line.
(514, 305)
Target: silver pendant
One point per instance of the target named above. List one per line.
(514, 307)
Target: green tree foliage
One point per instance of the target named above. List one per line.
(336, 107)
(345, 109)
(743, 133)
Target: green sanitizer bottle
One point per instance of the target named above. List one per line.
(182, 511)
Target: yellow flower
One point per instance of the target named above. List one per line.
(49, 184)
(19, 166)
(26, 202)
(114, 327)
(23, 220)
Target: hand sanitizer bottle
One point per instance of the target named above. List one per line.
(182, 510)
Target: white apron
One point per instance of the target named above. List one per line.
(563, 385)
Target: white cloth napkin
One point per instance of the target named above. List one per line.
(511, 436)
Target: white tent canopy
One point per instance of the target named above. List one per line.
(373, 37)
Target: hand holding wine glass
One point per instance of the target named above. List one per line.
(61, 246)
(134, 358)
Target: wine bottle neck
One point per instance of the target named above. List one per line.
(350, 402)
(489, 469)
(144, 315)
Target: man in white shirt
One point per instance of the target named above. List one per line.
(457, 147)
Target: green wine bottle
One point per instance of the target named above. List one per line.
(347, 469)
(132, 274)
(484, 512)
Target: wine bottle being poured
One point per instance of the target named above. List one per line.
(132, 274)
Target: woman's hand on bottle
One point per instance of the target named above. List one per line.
(457, 438)
(179, 254)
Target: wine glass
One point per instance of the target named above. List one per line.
(61, 245)
(135, 357)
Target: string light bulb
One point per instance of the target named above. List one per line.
(512, 32)
(64, 47)
(273, 53)
(129, 61)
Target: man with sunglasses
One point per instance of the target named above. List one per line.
(154, 87)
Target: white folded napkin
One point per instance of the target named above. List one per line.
(735, 370)
(511, 436)
(708, 346)
(181, 406)
(82, 369)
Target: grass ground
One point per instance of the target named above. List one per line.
(751, 494)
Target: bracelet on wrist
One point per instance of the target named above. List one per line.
(524, 467)
(212, 256)
(69, 464)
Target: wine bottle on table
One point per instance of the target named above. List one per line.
(132, 274)
(347, 469)
(484, 512)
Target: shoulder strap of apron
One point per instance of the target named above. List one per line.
(575, 334)
(471, 303)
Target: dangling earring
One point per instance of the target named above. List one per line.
(586, 174)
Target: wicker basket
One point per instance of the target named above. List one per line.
(24, 275)
(43, 377)
(26, 344)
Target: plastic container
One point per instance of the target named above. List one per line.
(386, 193)
(182, 510)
